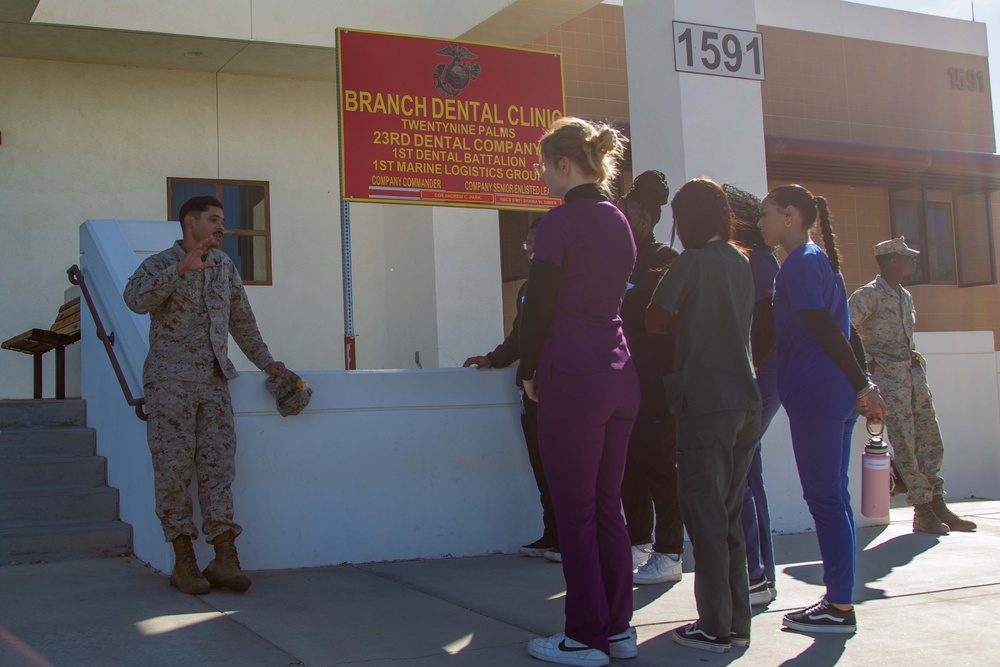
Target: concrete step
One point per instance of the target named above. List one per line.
(32, 443)
(46, 412)
(53, 473)
(65, 542)
(51, 506)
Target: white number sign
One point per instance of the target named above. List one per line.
(705, 49)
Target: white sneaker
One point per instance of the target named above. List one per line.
(760, 594)
(624, 645)
(659, 569)
(564, 651)
(640, 554)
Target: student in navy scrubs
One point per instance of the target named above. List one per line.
(764, 266)
(823, 386)
(707, 296)
(576, 365)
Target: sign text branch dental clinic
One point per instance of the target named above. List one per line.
(430, 121)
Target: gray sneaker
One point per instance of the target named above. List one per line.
(760, 594)
(659, 569)
(640, 554)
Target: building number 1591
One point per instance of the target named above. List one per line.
(717, 51)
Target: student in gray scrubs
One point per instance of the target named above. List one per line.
(707, 297)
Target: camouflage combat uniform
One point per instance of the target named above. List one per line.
(885, 319)
(185, 377)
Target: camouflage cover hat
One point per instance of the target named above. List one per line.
(291, 393)
(895, 247)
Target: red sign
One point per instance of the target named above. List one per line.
(432, 121)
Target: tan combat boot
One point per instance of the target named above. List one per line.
(186, 576)
(924, 520)
(225, 569)
(949, 518)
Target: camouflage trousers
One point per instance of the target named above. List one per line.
(912, 428)
(190, 431)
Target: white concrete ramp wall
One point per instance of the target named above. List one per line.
(383, 465)
(390, 465)
(963, 372)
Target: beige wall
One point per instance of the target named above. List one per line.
(866, 92)
(90, 141)
(311, 22)
(94, 141)
(593, 50)
(825, 87)
(860, 220)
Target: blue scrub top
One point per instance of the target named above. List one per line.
(806, 281)
(764, 266)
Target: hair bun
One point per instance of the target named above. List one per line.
(651, 188)
(606, 141)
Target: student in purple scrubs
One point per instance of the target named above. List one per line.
(576, 365)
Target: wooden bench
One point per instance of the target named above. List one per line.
(36, 342)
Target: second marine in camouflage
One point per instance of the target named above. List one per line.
(882, 311)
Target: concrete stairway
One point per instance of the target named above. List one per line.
(55, 503)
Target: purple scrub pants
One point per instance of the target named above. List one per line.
(584, 423)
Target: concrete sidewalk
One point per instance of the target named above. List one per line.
(921, 598)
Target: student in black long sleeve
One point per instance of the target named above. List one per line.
(502, 356)
(651, 467)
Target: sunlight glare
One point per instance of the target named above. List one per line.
(459, 644)
(159, 625)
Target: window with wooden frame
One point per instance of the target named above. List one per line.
(248, 220)
(953, 231)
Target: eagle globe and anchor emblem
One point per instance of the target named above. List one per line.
(451, 78)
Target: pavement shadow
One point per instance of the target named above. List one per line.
(647, 594)
(662, 650)
(872, 563)
(825, 651)
(877, 562)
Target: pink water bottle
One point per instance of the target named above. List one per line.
(876, 470)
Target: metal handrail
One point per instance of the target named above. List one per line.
(76, 278)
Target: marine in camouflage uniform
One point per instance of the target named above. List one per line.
(882, 312)
(195, 300)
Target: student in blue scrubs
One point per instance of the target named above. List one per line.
(823, 386)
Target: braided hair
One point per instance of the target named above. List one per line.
(746, 213)
(811, 207)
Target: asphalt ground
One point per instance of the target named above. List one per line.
(921, 599)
